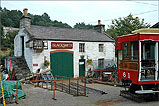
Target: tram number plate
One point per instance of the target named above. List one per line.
(128, 75)
(124, 74)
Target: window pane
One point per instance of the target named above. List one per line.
(126, 50)
(134, 50)
(81, 47)
(100, 63)
(101, 47)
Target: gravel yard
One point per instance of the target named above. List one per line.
(36, 96)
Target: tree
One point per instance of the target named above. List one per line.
(10, 18)
(7, 41)
(7, 45)
(126, 25)
(82, 25)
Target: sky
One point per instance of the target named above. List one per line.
(89, 12)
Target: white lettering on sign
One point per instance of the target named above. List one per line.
(124, 74)
(81, 63)
(61, 45)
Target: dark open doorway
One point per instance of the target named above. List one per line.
(22, 37)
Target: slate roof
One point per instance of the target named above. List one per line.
(67, 34)
(156, 25)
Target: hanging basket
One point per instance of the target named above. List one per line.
(38, 50)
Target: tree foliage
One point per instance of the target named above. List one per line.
(82, 25)
(7, 44)
(10, 18)
(7, 41)
(126, 25)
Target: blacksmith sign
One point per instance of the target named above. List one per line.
(61, 45)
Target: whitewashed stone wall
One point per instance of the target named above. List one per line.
(28, 52)
(91, 52)
(18, 43)
(18, 47)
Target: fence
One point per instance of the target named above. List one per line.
(106, 73)
(56, 84)
(105, 64)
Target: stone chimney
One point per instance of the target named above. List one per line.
(100, 27)
(25, 20)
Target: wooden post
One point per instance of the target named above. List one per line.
(16, 92)
(51, 85)
(77, 86)
(33, 79)
(46, 84)
(42, 84)
(33, 76)
(84, 86)
(69, 85)
(37, 75)
(54, 91)
(62, 85)
(29, 76)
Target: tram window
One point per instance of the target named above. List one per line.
(149, 52)
(120, 54)
(134, 50)
(126, 50)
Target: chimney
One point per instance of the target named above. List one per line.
(99, 22)
(99, 27)
(25, 11)
(25, 20)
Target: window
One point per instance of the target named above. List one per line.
(27, 44)
(37, 44)
(134, 50)
(101, 47)
(126, 50)
(81, 47)
(100, 63)
(120, 55)
(148, 50)
(45, 44)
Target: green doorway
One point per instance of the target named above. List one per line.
(62, 63)
(81, 67)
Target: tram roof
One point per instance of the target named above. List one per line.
(136, 37)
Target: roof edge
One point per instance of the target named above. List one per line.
(70, 40)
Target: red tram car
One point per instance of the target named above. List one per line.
(137, 61)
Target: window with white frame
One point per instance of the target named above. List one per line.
(100, 63)
(45, 44)
(37, 44)
(101, 46)
(81, 47)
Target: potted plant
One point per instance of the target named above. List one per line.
(46, 63)
(90, 62)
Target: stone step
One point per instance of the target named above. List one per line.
(21, 67)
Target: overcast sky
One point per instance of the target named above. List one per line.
(72, 12)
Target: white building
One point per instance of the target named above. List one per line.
(68, 50)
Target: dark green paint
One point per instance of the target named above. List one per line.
(82, 68)
(62, 64)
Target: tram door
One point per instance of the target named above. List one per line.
(149, 58)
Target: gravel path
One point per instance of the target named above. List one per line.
(42, 97)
